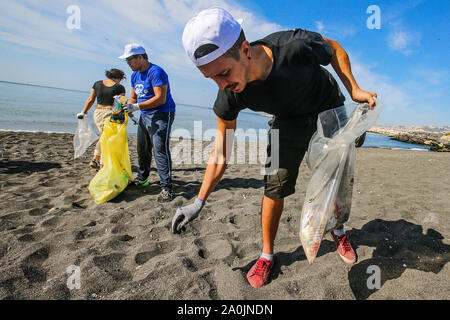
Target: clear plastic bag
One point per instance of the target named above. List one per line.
(331, 156)
(84, 137)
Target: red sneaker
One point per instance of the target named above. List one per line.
(344, 248)
(259, 273)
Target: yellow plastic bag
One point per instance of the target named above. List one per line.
(116, 174)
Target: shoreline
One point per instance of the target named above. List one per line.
(178, 139)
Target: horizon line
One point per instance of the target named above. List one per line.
(76, 90)
(203, 107)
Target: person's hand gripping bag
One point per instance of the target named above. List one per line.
(116, 174)
(331, 157)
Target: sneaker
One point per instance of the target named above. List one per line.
(141, 183)
(94, 164)
(165, 195)
(360, 140)
(259, 273)
(344, 248)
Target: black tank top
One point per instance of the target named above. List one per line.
(105, 95)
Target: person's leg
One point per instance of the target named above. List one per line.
(99, 118)
(144, 147)
(271, 211)
(342, 211)
(106, 114)
(293, 144)
(293, 139)
(98, 123)
(160, 136)
(336, 119)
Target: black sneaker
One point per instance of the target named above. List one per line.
(165, 195)
(360, 140)
(141, 183)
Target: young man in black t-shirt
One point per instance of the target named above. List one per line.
(280, 74)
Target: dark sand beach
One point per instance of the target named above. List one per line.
(400, 222)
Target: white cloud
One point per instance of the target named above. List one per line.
(432, 77)
(398, 40)
(320, 27)
(402, 39)
(338, 31)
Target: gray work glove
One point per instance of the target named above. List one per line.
(81, 115)
(131, 107)
(186, 214)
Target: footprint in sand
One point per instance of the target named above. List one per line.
(32, 237)
(31, 265)
(51, 223)
(120, 242)
(188, 264)
(154, 250)
(112, 264)
(202, 252)
(39, 211)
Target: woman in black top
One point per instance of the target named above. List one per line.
(104, 91)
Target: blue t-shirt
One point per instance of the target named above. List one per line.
(143, 84)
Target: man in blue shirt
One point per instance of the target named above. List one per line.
(150, 94)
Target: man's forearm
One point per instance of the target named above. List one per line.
(341, 64)
(152, 103)
(213, 174)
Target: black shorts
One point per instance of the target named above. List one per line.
(294, 137)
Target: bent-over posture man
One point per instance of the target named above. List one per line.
(280, 74)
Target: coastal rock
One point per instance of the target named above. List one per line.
(438, 138)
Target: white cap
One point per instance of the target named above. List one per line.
(132, 49)
(211, 26)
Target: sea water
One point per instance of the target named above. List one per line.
(26, 107)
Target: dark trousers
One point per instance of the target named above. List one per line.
(154, 135)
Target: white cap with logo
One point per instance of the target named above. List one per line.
(211, 26)
(132, 49)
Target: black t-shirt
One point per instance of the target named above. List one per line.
(105, 95)
(296, 86)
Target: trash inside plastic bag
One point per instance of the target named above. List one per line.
(116, 174)
(84, 137)
(118, 114)
(331, 157)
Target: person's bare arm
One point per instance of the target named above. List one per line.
(89, 101)
(341, 64)
(218, 160)
(133, 97)
(156, 101)
(214, 172)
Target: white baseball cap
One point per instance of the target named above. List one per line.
(132, 49)
(214, 26)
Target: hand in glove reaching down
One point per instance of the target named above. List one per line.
(186, 214)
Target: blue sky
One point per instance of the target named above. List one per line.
(405, 61)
